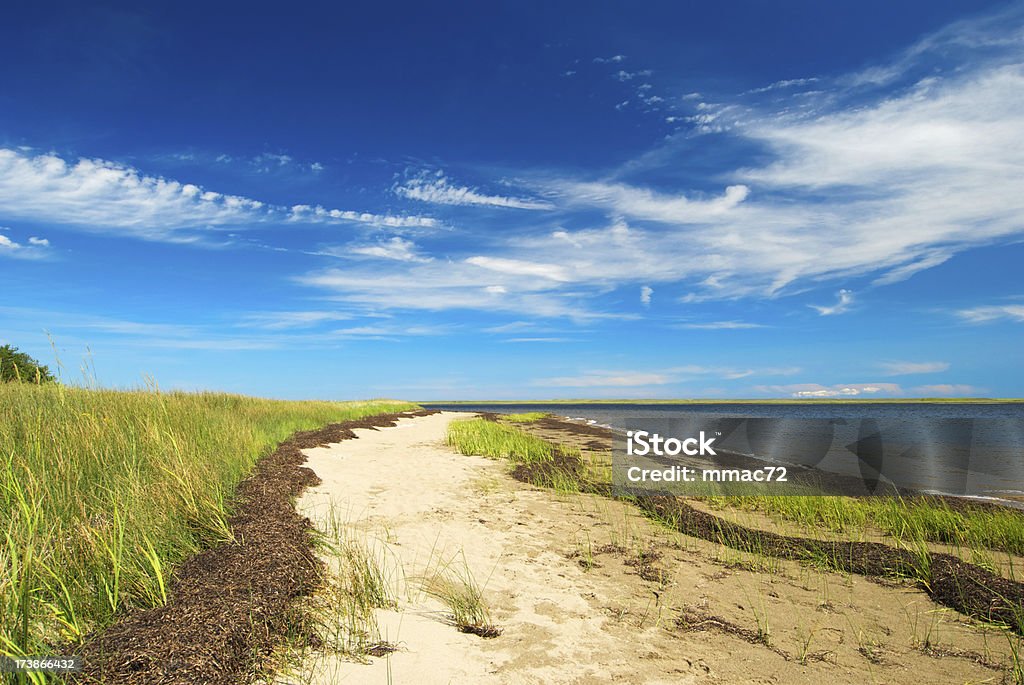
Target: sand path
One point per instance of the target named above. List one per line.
(420, 506)
(428, 506)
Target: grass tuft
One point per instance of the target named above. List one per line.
(460, 592)
(491, 439)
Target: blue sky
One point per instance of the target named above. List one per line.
(518, 200)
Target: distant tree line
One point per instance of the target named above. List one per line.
(16, 366)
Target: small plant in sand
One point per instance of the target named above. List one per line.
(460, 592)
(343, 614)
(760, 611)
(585, 554)
(805, 635)
(1016, 670)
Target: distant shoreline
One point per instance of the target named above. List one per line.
(923, 400)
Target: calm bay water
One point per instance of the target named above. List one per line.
(969, 449)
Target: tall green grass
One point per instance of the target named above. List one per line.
(526, 417)
(103, 492)
(929, 519)
(493, 439)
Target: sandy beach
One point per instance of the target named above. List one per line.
(584, 589)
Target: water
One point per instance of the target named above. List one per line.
(968, 449)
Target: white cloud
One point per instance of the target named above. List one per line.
(538, 340)
(597, 379)
(319, 214)
(859, 184)
(516, 267)
(397, 249)
(676, 374)
(721, 325)
(844, 298)
(641, 203)
(515, 326)
(991, 313)
(889, 187)
(439, 191)
(948, 390)
(35, 249)
(294, 319)
(925, 260)
(440, 285)
(99, 195)
(612, 59)
(623, 75)
(786, 83)
(268, 161)
(814, 390)
(645, 295)
(906, 368)
(385, 332)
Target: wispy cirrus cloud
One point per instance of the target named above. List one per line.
(437, 189)
(949, 390)
(519, 267)
(98, 194)
(606, 379)
(104, 196)
(538, 340)
(386, 332)
(844, 298)
(908, 368)
(785, 83)
(261, 163)
(859, 183)
(396, 249)
(319, 214)
(666, 376)
(645, 204)
(442, 285)
(720, 325)
(993, 313)
(293, 319)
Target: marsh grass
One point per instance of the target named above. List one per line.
(550, 466)
(913, 519)
(526, 417)
(454, 585)
(103, 492)
(498, 441)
